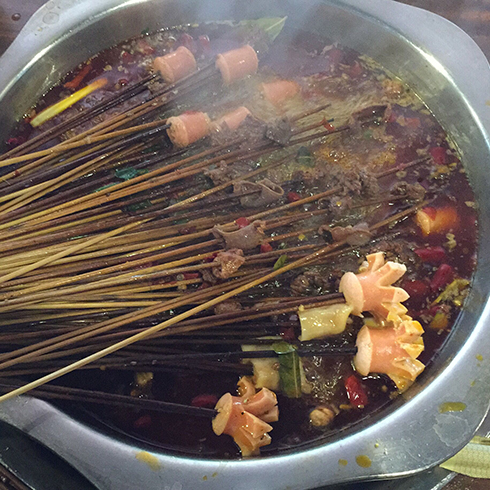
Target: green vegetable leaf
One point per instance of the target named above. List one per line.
(104, 187)
(128, 173)
(289, 369)
(272, 26)
(280, 262)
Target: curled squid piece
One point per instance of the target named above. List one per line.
(265, 192)
(246, 418)
(188, 128)
(237, 64)
(391, 350)
(371, 290)
(175, 65)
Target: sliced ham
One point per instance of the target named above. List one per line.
(176, 65)
(232, 120)
(279, 91)
(188, 128)
(371, 290)
(246, 418)
(237, 64)
(390, 350)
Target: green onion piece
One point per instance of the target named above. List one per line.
(280, 262)
(129, 173)
(289, 369)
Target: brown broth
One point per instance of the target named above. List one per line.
(349, 81)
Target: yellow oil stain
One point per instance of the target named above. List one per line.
(214, 475)
(487, 102)
(479, 357)
(149, 459)
(343, 462)
(205, 478)
(363, 461)
(376, 445)
(473, 383)
(452, 407)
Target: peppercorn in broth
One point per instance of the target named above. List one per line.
(350, 157)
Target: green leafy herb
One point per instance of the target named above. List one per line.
(272, 26)
(280, 262)
(104, 187)
(289, 369)
(128, 173)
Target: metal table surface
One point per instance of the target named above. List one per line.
(27, 465)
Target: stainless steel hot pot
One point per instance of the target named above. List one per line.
(445, 67)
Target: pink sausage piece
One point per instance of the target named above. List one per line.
(175, 65)
(233, 119)
(237, 63)
(379, 350)
(279, 91)
(188, 128)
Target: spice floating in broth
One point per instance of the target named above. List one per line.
(312, 150)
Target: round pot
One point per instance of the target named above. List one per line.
(452, 76)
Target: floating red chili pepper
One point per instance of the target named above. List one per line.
(439, 155)
(327, 125)
(143, 47)
(242, 222)
(293, 196)
(336, 55)
(204, 401)
(187, 41)
(416, 289)
(288, 334)
(123, 82)
(431, 254)
(266, 247)
(355, 392)
(204, 43)
(13, 142)
(126, 57)
(75, 83)
(355, 70)
(443, 276)
(412, 122)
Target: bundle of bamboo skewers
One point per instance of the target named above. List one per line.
(93, 268)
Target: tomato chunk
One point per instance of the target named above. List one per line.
(437, 220)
